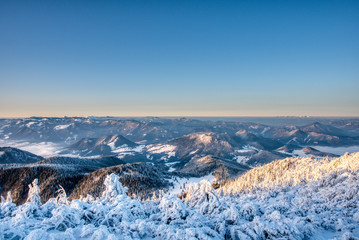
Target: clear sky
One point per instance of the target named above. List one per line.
(179, 58)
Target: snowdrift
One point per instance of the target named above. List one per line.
(288, 199)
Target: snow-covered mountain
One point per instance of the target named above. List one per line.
(141, 179)
(9, 155)
(99, 146)
(202, 143)
(172, 143)
(202, 166)
(183, 150)
(68, 130)
(80, 176)
(313, 134)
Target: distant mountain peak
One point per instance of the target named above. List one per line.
(9, 155)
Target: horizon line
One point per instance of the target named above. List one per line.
(181, 116)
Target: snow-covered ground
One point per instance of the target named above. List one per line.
(241, 159)
(323, 205)
(170, 164)
(300, 153)
(124, 150)
(162, 148)
(62, 127)
(169, 150)
(183, 184)
(337, 150)
(246, 149)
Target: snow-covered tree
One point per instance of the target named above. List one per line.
(34, 191)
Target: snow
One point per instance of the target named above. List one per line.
(297, 198)
(171, 169)
(111, 144)
(193, 152)
(171, 154)
(167, 149)
(124, 150)
(307, 139)
(337, 150)
(33, 195)
(300, 153)
(284, 152)
(246, 149)
(241, 159)
(182, 184)
(61, 127)
(4, 126)
(30, 123)
(204, 138)
(161, 148)
(138, 148)
(265, 130)
(121, 149)
(123, 154)
(142, 142)
(290, 172)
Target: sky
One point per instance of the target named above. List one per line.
(179, 58)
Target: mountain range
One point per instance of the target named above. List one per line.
(150, 153)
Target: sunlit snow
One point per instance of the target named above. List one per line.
(62, 127)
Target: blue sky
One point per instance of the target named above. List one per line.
(179, 58)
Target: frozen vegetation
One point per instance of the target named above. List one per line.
(295, 198)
